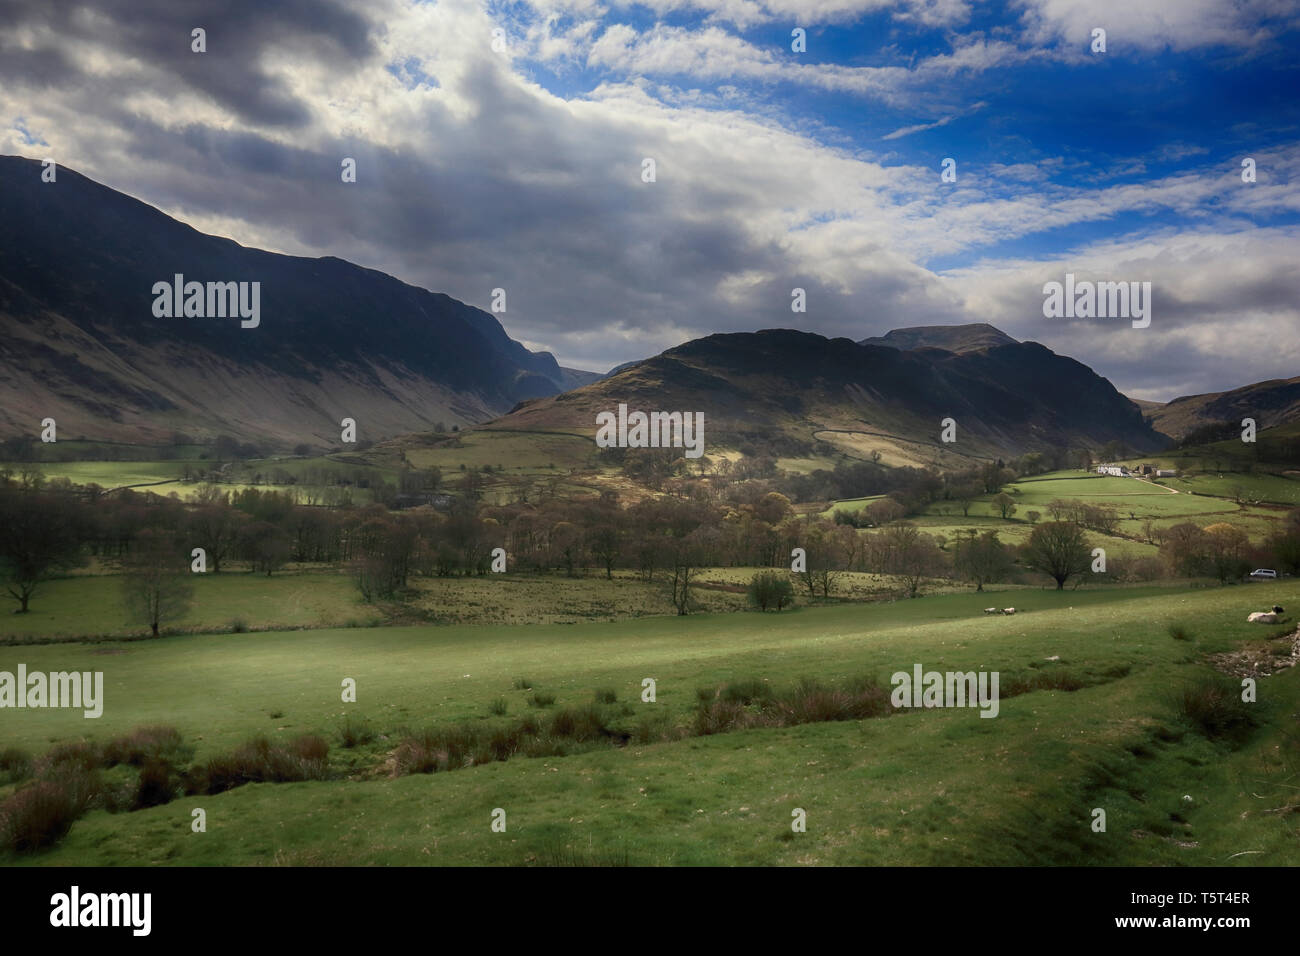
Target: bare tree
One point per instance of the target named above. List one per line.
(156, 586)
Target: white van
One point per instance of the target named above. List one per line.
(1263, 574)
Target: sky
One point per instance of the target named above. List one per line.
(502, 146)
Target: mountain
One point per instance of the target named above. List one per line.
(781, 390)
(1272, 403)
(82, 345)
(576, 377)
(952, 338)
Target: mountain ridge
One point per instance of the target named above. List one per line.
(335, 339)
(795, 385)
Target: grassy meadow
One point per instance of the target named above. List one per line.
(925, 787)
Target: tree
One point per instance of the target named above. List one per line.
(156, 587)
(1058, 549)
(385, 552)
(215, 528)
(1227, 547)
(964, 493)
(39, 535)
(683, 567)
(1284, 545)
(770, 589)
(266, 547)
(885, 511)
(1186, 549)
(606, 541)
(981, 559)
(566, 545)
(1005, 504)
(904, 551)
(820, 545)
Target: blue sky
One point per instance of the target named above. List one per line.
(484, 166)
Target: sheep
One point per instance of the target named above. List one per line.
(992, 610)
(1266, 617)
(1008, 610)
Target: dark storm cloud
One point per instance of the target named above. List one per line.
(158, 34)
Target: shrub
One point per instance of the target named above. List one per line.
(540, 699)
(1179, 632)
(606, 695)
(522, 683)
(498, 707)
(238, 626)
(770, 589)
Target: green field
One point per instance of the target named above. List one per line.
(939, 786)
(165, 477)
(91, 605)
(117, 474)
(521, 452)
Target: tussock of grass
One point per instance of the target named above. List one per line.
(436, 750)
(15, 765)
(1054, 679)
(145, 745)
(1214, 708)
(355, 731)
(259, 761)
(38, 816)
(752, 703)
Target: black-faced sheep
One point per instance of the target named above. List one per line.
(1266, 617)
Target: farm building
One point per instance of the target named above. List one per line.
(1114, 470)
(1166, 473)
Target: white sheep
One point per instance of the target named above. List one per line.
(1266, 617)
(992, 610)
(1008, 610)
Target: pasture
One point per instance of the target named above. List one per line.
(928, 787)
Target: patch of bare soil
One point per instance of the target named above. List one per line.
(1260, 658)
